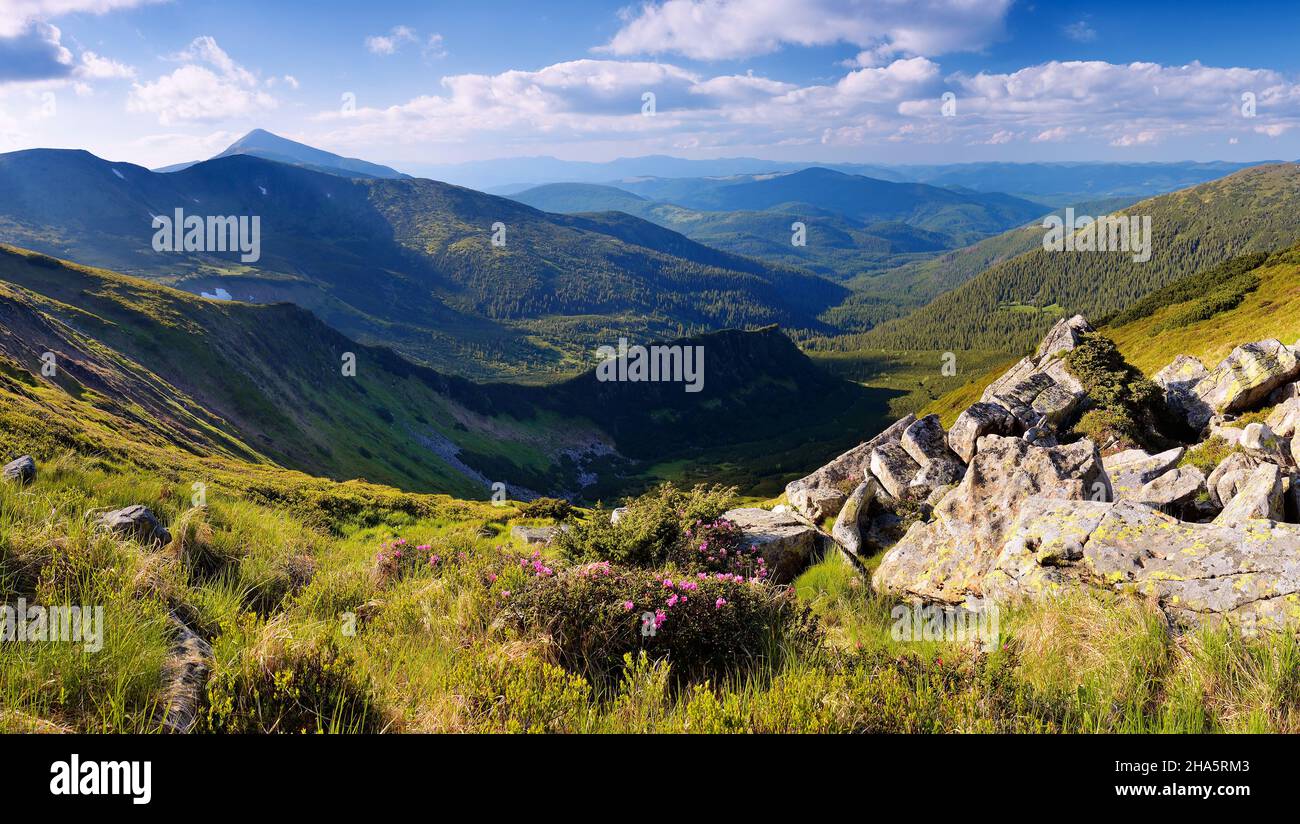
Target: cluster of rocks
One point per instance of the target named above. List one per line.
(1001, 509)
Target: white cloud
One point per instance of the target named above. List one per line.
(390, 43)
(15, 15)
(195, 92)
(599, 103)
(1080, 31)
(1126, 105)
(95, 67)
(399, 36)
(1274, 129)
(724, 29)
(1140, 139)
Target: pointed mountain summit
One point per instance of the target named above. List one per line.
(268, 146)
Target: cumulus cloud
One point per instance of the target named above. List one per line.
(1134, 104)
(210, 86)
(599, 102)
(725, 29)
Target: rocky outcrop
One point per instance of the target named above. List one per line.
(1245, 572)
(946, 558)
(978, 420)
(1179, 380)
(1247, 376)
(22, 470)
(1066, 334)
(845, 472)
(786, 543)
(136, 522)
(1041, 387)
(1259, 497)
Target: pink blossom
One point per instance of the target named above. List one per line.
(672, 600)
(720, 603)
(627, 606)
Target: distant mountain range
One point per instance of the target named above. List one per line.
(405, 262)
(1053, 184)
(852, 225)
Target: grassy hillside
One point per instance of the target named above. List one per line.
(1012, 304)
(267, 380)
(1268, 308)
(1206, 315)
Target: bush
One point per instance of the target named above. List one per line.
(653, 530)
(706, 625)
(555, 508)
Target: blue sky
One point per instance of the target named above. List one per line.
(412, 84)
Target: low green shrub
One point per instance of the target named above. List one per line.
(275, 685)
(1123, 409)
(651, 533)
(555, 508)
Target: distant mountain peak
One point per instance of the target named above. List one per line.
(270, 146)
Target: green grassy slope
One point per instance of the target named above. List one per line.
(267, 380)
(1012, 304)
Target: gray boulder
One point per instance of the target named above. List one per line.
(786, 543)
(847, 531)
(1179, 380)
(1131, 469)
(978, 420)
(1228, 477)
(136, 522)
(816, 503)
(1174, 488)
(1285, 416)
(927, 444)
(22, 470)
(1248, 375)
(1259, 497)
(1260, 442)
(1245, 573)
(536, 534)
(894, 468)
